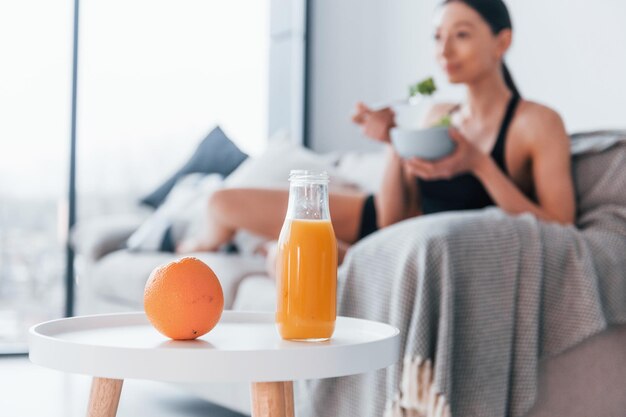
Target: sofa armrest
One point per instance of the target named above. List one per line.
(96, 237)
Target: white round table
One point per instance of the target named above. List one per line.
(243, 346)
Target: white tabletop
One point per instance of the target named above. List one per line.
(243, 346)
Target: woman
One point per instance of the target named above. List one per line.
(510, 152)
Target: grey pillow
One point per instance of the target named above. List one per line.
(599, 176)
(215, 154)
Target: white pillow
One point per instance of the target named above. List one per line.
(183, 209)
(271, 169)
(364, 169)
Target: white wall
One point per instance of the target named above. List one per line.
(286, 71)
(569, 54)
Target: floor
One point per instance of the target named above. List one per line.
(27, 390)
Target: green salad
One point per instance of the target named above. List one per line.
(445, 121)
(425, 87)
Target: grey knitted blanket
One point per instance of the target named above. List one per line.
(480, 297)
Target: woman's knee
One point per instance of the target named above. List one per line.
(222, 202)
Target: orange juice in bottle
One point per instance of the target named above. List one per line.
(307, 262)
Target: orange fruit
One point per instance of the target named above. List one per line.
(183, 299)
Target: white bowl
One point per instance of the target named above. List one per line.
(431, 144)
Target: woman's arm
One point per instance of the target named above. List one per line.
(551, 173)
(396, 199)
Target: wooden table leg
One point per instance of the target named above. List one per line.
(104, 397)
(272, 399)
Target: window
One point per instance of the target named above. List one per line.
(154, 78)
(34, 103)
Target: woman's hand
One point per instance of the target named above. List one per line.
(466, 158)
(374, 123)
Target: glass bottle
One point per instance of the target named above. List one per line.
(306, 269)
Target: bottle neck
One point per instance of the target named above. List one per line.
(308, 201)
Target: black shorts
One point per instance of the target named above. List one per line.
(368, 218)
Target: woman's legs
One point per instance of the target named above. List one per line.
(262, 212)
(346, 210)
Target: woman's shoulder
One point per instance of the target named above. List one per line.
(535, 121)
(537, 116)
(437, 111)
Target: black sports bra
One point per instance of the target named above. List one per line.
(466, 192)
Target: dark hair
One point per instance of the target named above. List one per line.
(496, 15)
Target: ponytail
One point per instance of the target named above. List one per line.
(508, 79)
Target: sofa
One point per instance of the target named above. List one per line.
(115, 253)
(587, 380)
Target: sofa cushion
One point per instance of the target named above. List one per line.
(256, 293)
(215, 154)
(122, 275)
(184, 208)
(96, 237)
